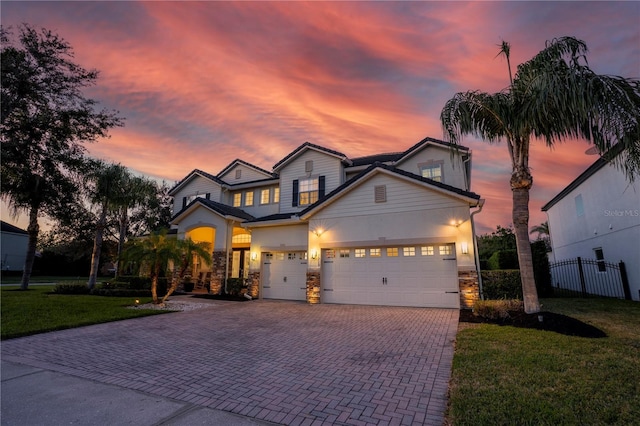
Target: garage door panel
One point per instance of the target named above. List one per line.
(400, 276)
(284, 275)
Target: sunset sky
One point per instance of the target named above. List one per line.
(203, 83)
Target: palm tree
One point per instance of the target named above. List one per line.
(553, 97)
(188, 249)
(542, 229)
(154, 253)
(110, 192)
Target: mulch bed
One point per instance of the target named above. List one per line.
(221, 297)
(550, 322)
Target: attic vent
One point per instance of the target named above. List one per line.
(380, 192)
(238, 173)
(308, 166)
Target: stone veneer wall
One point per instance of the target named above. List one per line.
(218, 269)
(469, 288)
(313, 287)
(254, 284)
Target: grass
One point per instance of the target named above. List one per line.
(504, 375)
(37, 310)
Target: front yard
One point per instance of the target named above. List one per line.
(503, 375)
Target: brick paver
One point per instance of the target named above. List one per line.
(284, 362)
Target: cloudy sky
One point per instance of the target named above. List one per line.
(203, 83)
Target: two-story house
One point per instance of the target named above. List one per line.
(392, 229)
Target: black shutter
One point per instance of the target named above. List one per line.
(184, 202)
(207, 195)
(294, 201)
(321, 187)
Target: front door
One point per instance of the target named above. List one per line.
(240, 263)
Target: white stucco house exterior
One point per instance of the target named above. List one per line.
(597, 216)
(13, 250)
(391, 229)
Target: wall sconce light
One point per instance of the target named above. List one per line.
(455, 222)
(314, 254)
(318, 231)
(254, 255)
(464, 247)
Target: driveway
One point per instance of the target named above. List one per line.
(282, 362)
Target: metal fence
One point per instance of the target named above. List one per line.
(584, 277)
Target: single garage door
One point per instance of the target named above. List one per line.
(284, 275)
(421, 276)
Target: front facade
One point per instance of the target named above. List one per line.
(392, 229)
(597, 216)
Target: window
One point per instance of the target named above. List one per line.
(380, 193)
(276, 195)
(579, 206)
(408, 251)
(279, 256)
(238, 173)
(444, 250)
(248, 198)
(602, 267)
(291, 256)
(344, 253)
(264, 196)
(392, 251)
(360, 252)
(241, 238)
(427, 251)
(432, 171)
(268, 256)
(308, 191)
(237, 200)
(374, 252)
(330, 254)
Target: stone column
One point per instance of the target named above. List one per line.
(469, 288)
(254, 284)
(218, 269)
(313, 287)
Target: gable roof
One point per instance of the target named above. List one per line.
(223, 210)
(244, 163)
(377, 158)
(429, 141)
(343, 189)
(590, 171)
(7, 227)
(194, 172)
(305, 146)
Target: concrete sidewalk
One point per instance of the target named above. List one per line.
(33, 396)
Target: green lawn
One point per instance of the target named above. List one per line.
(504, 375)
(36, 311)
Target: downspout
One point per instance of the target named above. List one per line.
(475, 246)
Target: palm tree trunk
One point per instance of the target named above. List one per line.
(97, 247)
(32, 230)
(123, 231)
(525, 259)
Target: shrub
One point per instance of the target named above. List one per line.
(503, 259)
(71, 288)
(234, 286)
(496, 309)
(501, 284)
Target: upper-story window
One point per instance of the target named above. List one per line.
(264, 196)
(189, 198)
(276, 195)
(248, 198)
(432, 171)
(237, 199)
(308, 191)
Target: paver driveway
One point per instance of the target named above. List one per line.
(284, 362)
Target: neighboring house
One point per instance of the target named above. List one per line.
(13, 247)
(391, 229)
(597, 216)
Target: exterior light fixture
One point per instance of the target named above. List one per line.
(254, 255)
(137, 302)
(318, 231)
(456, 222)
(464, 247)
(314, 254)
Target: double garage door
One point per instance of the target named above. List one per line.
(422, 276)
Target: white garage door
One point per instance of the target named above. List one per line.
(284, 275)
(423, 276)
